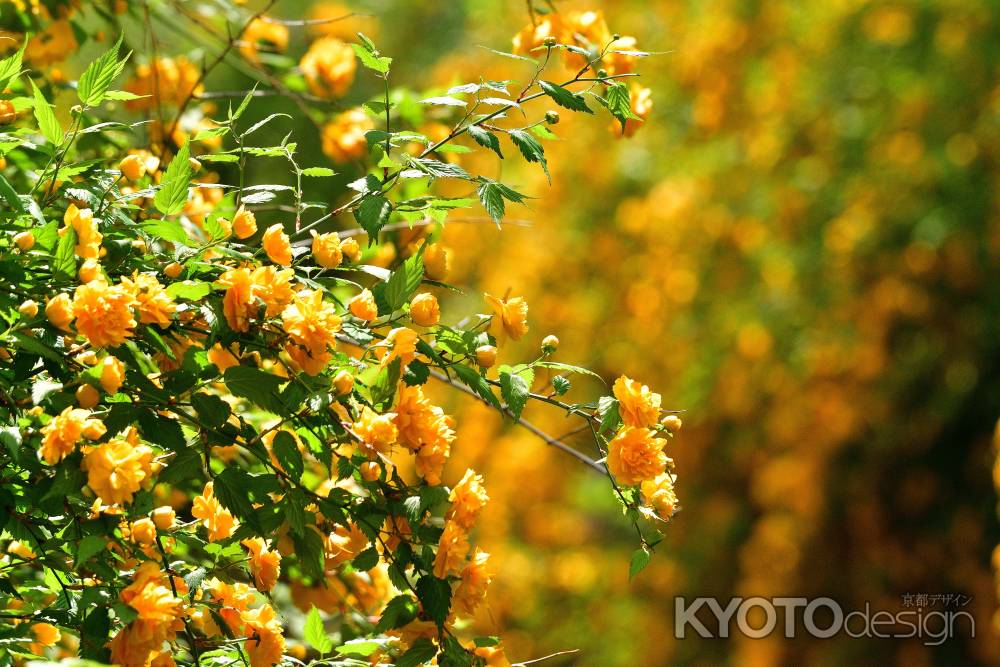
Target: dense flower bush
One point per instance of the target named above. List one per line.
(221, 444)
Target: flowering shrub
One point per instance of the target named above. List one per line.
(211, 420)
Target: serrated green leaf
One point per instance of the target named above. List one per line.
(618, 101)
(93, 85)
(372, 215)
(370, 60)
(168, 230)
(486, 139)
(435, 597)
(565, 98)
(173, 193)
(318, 172)
(531, 150)
(640, 559)
(11, 66)
(315, 634)
(46, 118)
(569, 368)
(478, 384)
(64, 260)
(404, 281)
(286, 450)
(514, 390)
(361, 648)
(419, 653)
(212, 410)
(256, 386)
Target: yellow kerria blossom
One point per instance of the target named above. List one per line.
(432, 456)
(510, 317)
(153, 302)
(637, 405)
(88, 238)
(59, 311)
(437, 261)
(165, 81)
(233, 599)
(343, 138)
(265, 565)
(61, 435)
(418, 420)
(112, 374)
(312, 326)
(277, 245)
(238, 305)
(467, 499)
(222, 357)
(328, 67)
(471, 591)
(343, 544)
(402, 342)
(326, 250)
(265, 642)
(46, 634)
(117, 468)
(103, 313)
(424, 310)
(635, 455)
(260, 31)
(217, 520)
(363, 306)
(53, 44)
(378, 433)
(659, 494)
(244, 223)
(452, 549)
(274, 287)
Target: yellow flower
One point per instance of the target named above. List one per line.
(222, 357)
(343, 382)
(265, 565)
(437, 261)
(46, 634)
(263, 31)
(104, 313)
(88, 238)
(164, 517)
(276, 245)
(89, 270)
(509, 317)
(378, 433)
(312, 326)
(165, 81)
(244, 223)
(237, 305)
(28, 308)
(432, 456)
(452, 549)
(350, 249)
(471, 591)
(51, 45)
(144, 531)
(363, 305)
(343, 138)
(659, 494)
(150, 595)
(326, 250)
(418, 420)
(59, 311)
(87, 397)
(493, 656)
(274, 287)
(535, 35)
(117, 468)
(61, 435)
(343, 544)
(424, 310)
(112, 374)
(637, 405)
(153, 302)
(486, 356)
(328, 67)
(133, 167)
(635, 455)
(24, 241)
(217, 520)
(467, 499)
(265, 643)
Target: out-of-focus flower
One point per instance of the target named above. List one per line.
(510, 317)
(263, 32)
(343, 137)
(452, 549)
(328, 67)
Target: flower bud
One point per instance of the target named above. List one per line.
(424, 310)
(132, 167)
(139, 244)
(244, 223)
(550, 344)
(194, 164)
(350, 249)
(87, 358)
(24, 241)
(172, 270)
(28, 308)
(437, 261)
(59, 311)
(87, 396)
(549, 41)
(369, 471)
(672, 423)
(363, 306)
(112, 374)
(164, 517)
(89, 270)
(343, 382)
(486, 356)
(552, 117)
(143, 531)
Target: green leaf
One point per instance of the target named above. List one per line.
(404, 281)
(492, 195)
(530, 149)
(96, 79)
(370, 58)
(401, 610)
(486, 139)
(360, 648)
(173, 192)
(560, 384)
(383, 388)
(89, 546)
(9, 194)
(569, 368)
(565, 98)
(419, 653)
(256, 386)
(318, 172)
(287, 452)
(514, 390)
(64, 260)
(640, 559)
(212, 410)
(438, 169)
(607, 408)
(315, 634)
(189, 290)
(46, 118)
(435, 596)
(446, 101)
(35, 346)
(168, 230)
(11, 66)
(372, 215)
(478, 384)
(231, 488)
(366, 560)
(619, 102)
(122, 96)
